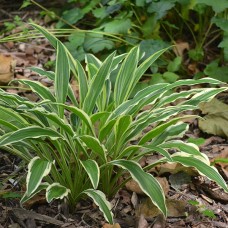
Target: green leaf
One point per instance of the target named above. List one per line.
(71, 16)
(172, 131)
(100, 200)
(170, 77)
(56, 191)
(52, 39)
(189, 148)
(51, 75)
(62, 76)
(96, 42)
(37, 170)
(146, 64)
(149, 47)
(83, 84)
(96, 84)
(121, 127)
(223, 4)
(93, 171)
(124, 80)
(214, 71)
(31, 132)
(160, 8)
(193, 202)
(197, 141)
(95, 145)
(81, 114)
(146, 181)
(209, 213)
(174, 65)
(39, 89)
(158, 130)
(118, 26)
(201, 165)
(42, 186)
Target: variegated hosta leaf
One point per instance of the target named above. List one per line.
(100, 200)
(146, 181)
(62, 76)
(202, 165)
(26, 197)
(124, 80)
(160, 129)
(189, 148)
(41, 90)
(95, 145)
(96, 84)
(51, 75)
(32, 132)
(37, 170)
(56, 191)
(173, 131)
(92, 169)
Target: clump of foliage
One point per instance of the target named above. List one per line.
(81, 147)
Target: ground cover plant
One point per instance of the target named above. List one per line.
(78, 147)
(97, 26)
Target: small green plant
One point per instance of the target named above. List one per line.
(202, 209)
(81, 147)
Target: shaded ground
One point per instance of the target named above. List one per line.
(130, 207)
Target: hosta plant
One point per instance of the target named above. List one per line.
(79, 147)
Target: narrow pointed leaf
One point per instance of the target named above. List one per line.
(26, 197)
(189, 148)
(205, 169)
(95, 145)
(96, 85)
(39, 89)
(100, 200)
(93, 171)
(32, 132)
(37, 170)
(146, 181)
(62, 76)
(124, 80)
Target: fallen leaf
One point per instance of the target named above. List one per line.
(159, 222)
(134, 200)
(133, 186)
(178, 179)
(174, 168)
(142, 223)
(176, 208)
(7, 65)
(180, 47)
(116, 225)
(216, 120)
